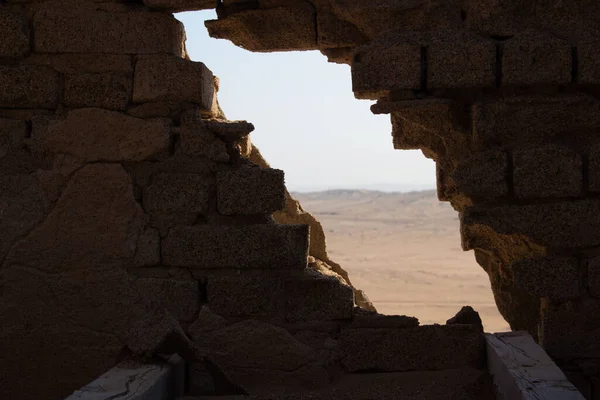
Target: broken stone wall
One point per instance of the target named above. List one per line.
(503, 95)
(124, 193)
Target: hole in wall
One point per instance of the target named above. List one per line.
(378, 207)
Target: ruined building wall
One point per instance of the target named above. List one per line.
(503, 95)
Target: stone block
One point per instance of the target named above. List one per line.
(181, 298)
(387, 65)
(84, 30)
(94, 63)
(547, 171)
(536, 58)
(28, 87)
(285, 28)
(571, 330)
(461, 61)
(589, 65)
(175, 6)
(482, 176)
(246, 191)
(424, 348)
(109, 136)
(318, 298)
(229, 131)
(12, 135)
(237, 247)
(197, 140)
(103, 90)
(14, 32)
(147, 251)
(178, 193)
(523, 121)
(335, 33)
(544, 224)
(383, 321)
(594, 276)
(594, 170)
(169, 78)
(557, 278)
(495, 17)
(245, 297)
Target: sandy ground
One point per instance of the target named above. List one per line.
(403, 250)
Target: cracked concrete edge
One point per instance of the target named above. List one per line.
(131, 380)
(521, 369)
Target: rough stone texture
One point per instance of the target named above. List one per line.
(173, 193)
(84, 30)
(589, 65)
(387, 65)
(593, 274)
(251, 246)
(196, 140)
(536, 58)
(83, 63)
(15, 35)
(374, 320)
(108, 136)
(547, 172)
(248, 297)
(12, 135)
(180, 5)
(28, 87)
(466, 316)
(180, 298)
(482, 176)
(250, 191)
(544, 223)
(169, 78)
(571, 330)
(461, 61)
(229, 130)
(594, 170)
(278, 29)
(555, 278)
(104, 90)
(147, 248)
(318, 298)
(431, 347)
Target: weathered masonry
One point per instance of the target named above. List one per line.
(136, 220)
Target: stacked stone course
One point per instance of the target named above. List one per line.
(136, 220)
(503, 95)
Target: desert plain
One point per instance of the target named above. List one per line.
(403, 250)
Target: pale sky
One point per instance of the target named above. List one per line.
(307, 121)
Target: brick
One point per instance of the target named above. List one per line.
(534, 120)
(571, 330)
(104, 90)
(109, 136)
(14, 32)
(278, 29)
(589, 65)
(317, 299)
(180, 297)
(246, 191)
(547, 171)
(174, 6)
(483, 175)
(168, 78)
(178, 193)
(536, 58)
(197, 140)
(500, 18)
(387, 65)
(247, 297)
(78, 30)
(431, 347)
(554, 277)
(237, 247)
(545, 224)
(594, 276)
(12, 135)
(28, 87)
(230, 131)
(461, 61)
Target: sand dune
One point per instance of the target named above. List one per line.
(403, 250)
